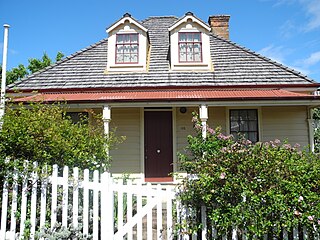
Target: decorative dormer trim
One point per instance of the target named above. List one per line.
(128, 46)
(130, 19)
(189, 16)
(190, 45)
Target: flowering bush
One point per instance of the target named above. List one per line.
(262, 188)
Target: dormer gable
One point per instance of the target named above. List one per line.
(128, 46)
(190, 44)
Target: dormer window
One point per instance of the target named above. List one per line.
(127, 48)
(190, 47)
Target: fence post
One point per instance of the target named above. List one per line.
(54, 199)
(75, 197)
(24, 192)
(65, 196)
(85, 202)
(14, 205)
(43, 204)
(204, 222)
(107, 206)
(169, 213)
(33, 217)
(95, 204)
(4, 210)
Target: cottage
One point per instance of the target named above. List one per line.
(147, 77)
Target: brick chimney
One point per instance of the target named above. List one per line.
(220, 25)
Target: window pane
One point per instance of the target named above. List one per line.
(183, 57)
(182, 37)
(134, 48)
(126, 48)
(234, 126)
(134, 58)
(119, 58)
(196, 37)
(182, 47)
(197, 47)
(119, 48)
(252, 114)
(189, 37)
(126, 38)
(119, 38)
(243, 126)
(234, 114)
(243, 115)
(197, 57)
(253, 126)
(253, 137)
(134, 38)
(126, 58)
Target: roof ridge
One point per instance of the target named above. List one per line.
(14, 84)
(152, 17)
(295, 72)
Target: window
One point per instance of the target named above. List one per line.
(190, 49)
(127, 48)
(245, 122)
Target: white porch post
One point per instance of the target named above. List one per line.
(311, 129)
(203, 109)
(106, 117)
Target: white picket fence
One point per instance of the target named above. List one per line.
(298, 233)
(103, 207)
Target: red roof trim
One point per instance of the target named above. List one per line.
(168, 95)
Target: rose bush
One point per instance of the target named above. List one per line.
(262, 188)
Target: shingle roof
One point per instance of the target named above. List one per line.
(233, 65)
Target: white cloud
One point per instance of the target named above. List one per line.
(313, 13)
(280, 55)
(287, 29)
(313, 59)
(276, 53)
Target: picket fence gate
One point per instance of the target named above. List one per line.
(104, 207)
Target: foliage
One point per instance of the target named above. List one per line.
(262, 187)
(44, 133)
(16, 73)
(35, 64)
(70, 232)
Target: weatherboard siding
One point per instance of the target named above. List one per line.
(285, 123)
(184, 125)
(126, 156)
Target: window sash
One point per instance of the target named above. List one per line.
(127, 48)
(190, 47)
(245, 122)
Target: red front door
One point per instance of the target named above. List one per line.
(158, 151)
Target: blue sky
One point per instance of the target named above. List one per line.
(287, 31)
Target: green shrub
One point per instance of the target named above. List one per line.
(262, 187)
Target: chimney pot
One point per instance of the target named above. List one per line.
(220, 25)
